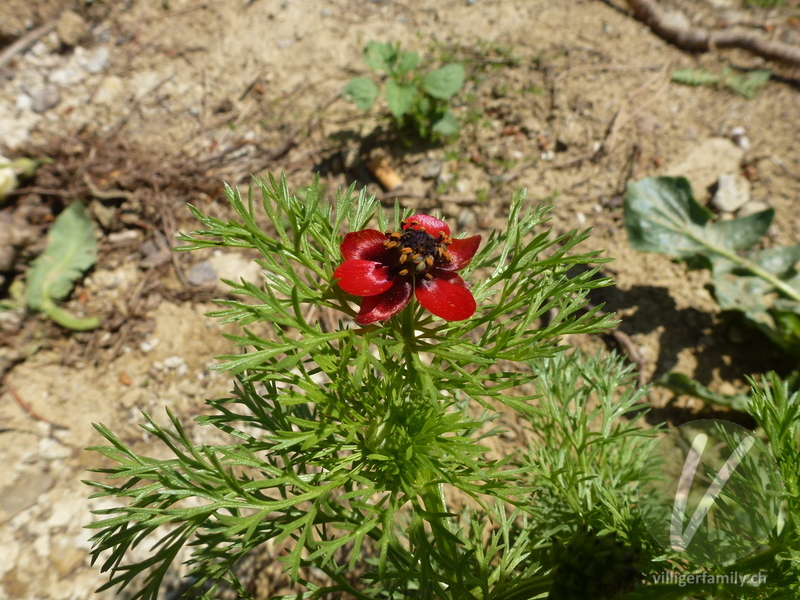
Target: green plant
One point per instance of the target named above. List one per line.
(417, 100)
(71, 249)
(662, 215)
(746, 84)
(374, 454)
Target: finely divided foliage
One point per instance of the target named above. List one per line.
(344, 440)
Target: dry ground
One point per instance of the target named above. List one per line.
(156, 102)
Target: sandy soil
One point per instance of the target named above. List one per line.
(151, 104)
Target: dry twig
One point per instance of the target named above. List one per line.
(26, 41)
(25, 406)
(675, 30)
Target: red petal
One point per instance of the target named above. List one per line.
(446, 296)
(427, 224)
(461, 253)
(388, 304)
(363, 277)
(366, 244)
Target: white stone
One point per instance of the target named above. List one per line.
(733, 192)
(174, 362)
(93, 61)
(752, 207)
(51, 449)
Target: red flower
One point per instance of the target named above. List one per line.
(386, 267)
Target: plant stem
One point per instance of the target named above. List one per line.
(779, 285)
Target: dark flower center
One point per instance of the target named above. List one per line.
(417, 251)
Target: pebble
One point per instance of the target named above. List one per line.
(51, 449)
(148, 345)
(94, 61)
(431, 169)
(46, 98)
(202, 273)
(24, 102)
(739, 137)
(174, 362)
(68, 75)
(71, 28)
(466, 218)
(752, 207)
(125, 236)
(733, 192)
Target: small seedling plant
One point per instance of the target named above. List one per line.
(376, 456)
(418, 100)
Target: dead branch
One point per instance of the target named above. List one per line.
(674, 29)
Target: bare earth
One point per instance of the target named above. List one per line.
(155, 103)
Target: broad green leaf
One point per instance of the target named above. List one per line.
(380, 56)
(661, 215)
(408, 62)
(447, 125)
(399, 97)
(361, 91)
(71, 249)
(445, 82)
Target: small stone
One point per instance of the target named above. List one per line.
(125, 236)
(466, 218)
(173, 362)
(202, 273)
(94, 61)
(462, 187)
(52, 449)
(739, 137)
(431, 169)
(105, 215)
(148, 345)
(68, 75)
(71, 28)
(752, 207)
(109, 90)
(45, 99)
(24, 102)
(733, 192)
(235, 267)
(445, 178)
